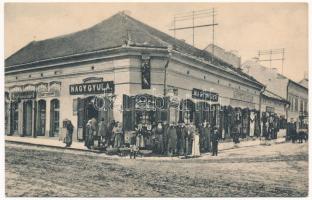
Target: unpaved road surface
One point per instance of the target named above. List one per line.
(276, 170)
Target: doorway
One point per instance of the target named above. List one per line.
(55, 117)
(91, 112)
(27, 118)
(41, 118)
(14, 118)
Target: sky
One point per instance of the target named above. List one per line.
(243, 27)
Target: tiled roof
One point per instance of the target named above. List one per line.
(118, 30)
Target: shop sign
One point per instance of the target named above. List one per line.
(92, 88)
(23, 95)
(204, 95)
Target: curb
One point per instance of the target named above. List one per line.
(51, 146)
(99, 152)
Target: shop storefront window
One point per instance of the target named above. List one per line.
(144, 109)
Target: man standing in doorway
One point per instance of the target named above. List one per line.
(102, 133)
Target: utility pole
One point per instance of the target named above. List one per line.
(213, 21)
(174, 26)
(283, 57)
(192, 16)
(274, 55)
(193, 27)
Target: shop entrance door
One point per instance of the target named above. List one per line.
(88, 108)
(91, 112)
(27, 118)
(42, 118)
(54, 117)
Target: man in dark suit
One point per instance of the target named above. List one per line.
(215, 141)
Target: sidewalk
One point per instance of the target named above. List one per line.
(48, 142)
(54, 142)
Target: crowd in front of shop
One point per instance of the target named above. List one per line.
(188, 137)
(161, 138)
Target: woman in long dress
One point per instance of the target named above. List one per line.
(118, 132)
(195, 146)
(252, 124)
(139, 137)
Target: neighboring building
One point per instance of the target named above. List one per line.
(122, 70)
(231, 57)
(297, 95)
(304, 82)
(274, 105)
(271, 102)
(280, 85)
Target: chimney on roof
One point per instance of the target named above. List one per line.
(126, 12)
(230, 57)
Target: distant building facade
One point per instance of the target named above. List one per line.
(295, 93)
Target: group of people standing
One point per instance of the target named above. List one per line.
(296, 134)
(176, 138)
(111, 134)
(270, 127)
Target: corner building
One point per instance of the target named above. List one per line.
(127, 71)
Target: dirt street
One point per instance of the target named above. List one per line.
(276, 170)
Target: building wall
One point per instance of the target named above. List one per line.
(298, 98)
(186, 77)
(108, 70)
(278, 107)
(126, 74)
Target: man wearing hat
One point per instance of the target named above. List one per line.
(215, 140)
(181, 134)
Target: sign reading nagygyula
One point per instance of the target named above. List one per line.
(204, 95)
(92, 88)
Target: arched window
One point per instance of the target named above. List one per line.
(54, 117)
